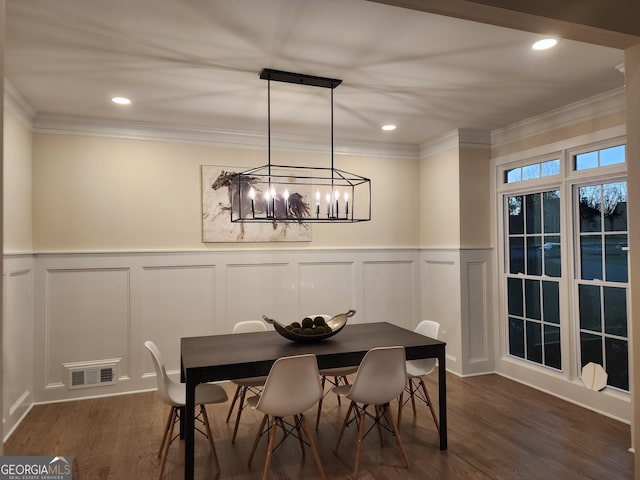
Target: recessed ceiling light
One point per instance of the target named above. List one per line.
(544, 44)
(388, 128)
(121, 100)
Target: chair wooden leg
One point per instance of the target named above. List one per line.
(360, 442)
(312, 444)
(433, 412)
(322, 382)
(233, 402)
(272, 439)
(400, 405)
(163, 457)
(166, 431)
(337, 382)
(243, 394)
(344, 425)
(255, 442)
(413, 397)
(205, 417)
(397, 434)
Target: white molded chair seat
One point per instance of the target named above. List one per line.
(416, 370)
(292, 387)
(380, 378)
(174, 394)
(335, 376)
(251, 385)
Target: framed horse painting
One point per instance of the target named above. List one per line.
(218, 201)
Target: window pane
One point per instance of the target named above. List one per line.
(531, 171)
(591, 257)
(551, 252)
(616, 258)
(534, 255)
(552, 347)
(551, 211)
(611, 156)
(534, 213)
(615, 311)
(586, 160)
(516, 255)
(617, 355)
(514, 287)
(590, 349)
(516, 215)
(516, 337)
(552, 167)
(534, 342)
(532, 298)
(614, 200)
(513, 175)
(551, 302)
(589, 298)
(590, 202)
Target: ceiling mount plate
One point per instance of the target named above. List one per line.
(299, 78)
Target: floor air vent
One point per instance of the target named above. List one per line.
(93, 374)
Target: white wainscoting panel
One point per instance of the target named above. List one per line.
(87, 319)
(441, 300)
(326, 288)
(476, 315)
(390, 292)
(17, 339)
(177, 301)
(253, 290)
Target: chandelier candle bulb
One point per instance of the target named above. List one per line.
(286, 202)
(336, 195)
(273, 202)
(318, 203)
(328, 205)
(346, 204)
(267, 200)
(252, 195)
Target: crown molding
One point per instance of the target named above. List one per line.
(102, 127)
(455, 139)
(15, 103)
(607, 103)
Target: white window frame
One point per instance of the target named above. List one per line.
(566, 182)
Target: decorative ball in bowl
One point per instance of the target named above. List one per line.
(312, 328)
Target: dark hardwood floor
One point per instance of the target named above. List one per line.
(498, 429)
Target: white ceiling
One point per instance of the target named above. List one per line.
(195, 63)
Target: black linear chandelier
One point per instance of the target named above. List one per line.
(286, 193)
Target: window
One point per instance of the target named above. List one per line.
(561, 313)
(602, 279)
(531, 171)
(534, 263)
(599, 158)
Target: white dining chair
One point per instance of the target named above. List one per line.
(292, 387)
(334, 376)
(174, 394)
(380, 378)
(416, 371)
(252, 385)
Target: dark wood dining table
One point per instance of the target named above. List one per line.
(240, 355)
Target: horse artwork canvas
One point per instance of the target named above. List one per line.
(220, 194)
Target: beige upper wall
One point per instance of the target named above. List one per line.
(104, 194)
(577, 129)
(475, 196)
(440, 200)
(17, 195)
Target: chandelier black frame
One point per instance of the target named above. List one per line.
(320, 194)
